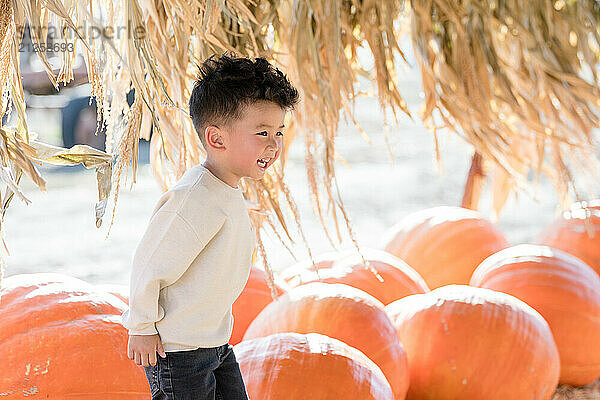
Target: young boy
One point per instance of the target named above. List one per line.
(194, 258)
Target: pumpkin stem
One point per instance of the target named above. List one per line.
(474, 184)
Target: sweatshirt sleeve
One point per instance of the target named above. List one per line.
(166, 250)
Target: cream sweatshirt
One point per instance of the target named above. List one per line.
(191, 264)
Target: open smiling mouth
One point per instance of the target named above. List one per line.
(263, 162)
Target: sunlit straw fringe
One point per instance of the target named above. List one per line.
(506, 76)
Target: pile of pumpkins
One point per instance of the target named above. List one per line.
(447, 309)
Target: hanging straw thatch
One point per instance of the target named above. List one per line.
(506, 75)
(519, 81)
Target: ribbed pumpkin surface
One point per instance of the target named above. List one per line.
(564, 290)
(471, 343)
(577, 232)
(255, 296)
(398, 279)
(59, 336)
(293, 366)
(341, 312)
(444, 244)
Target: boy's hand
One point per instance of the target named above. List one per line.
(142, 349)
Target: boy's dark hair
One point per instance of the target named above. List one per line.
(228, 83)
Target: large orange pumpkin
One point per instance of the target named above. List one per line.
(255, 296)
(323, 260)
(293, 366)
(341, 312)
(577, 232)
(398, 279)
(61, 337)
(471, 343)
(564, 290)
(444, 244)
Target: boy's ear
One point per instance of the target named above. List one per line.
(214, 137)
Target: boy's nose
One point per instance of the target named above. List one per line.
(274, 144)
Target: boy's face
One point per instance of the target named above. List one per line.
(254, 137)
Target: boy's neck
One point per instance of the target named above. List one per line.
(221, 174)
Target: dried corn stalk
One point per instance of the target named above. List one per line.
(161, 62)
(495, 72)
(19, 151)
(519, 80)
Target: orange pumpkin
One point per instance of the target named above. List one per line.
(323, 260)
(399, 279)
(293, 366)
(341, 312)
(564, 290)
(470, 343)
(255, 296)
(444, 244)
(577, 232)
(59, 336)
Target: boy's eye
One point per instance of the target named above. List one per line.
(265, 133)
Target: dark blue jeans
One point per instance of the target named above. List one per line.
(202, 374)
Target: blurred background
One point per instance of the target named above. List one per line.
(396, 175)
